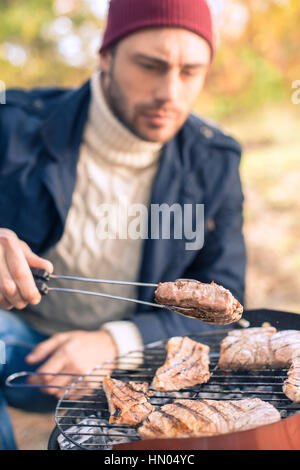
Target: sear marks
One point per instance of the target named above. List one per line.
(186, 365)
(258, 348)
(128, 402)
(196, 418)
(285, 345)
(246, 349)
(210, 303)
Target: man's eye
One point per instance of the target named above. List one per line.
(189, 73)
(147, 66)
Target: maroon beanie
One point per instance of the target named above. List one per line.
(127, 16)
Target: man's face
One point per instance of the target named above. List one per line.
(153, 79)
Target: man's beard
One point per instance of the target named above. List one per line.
(118, 105)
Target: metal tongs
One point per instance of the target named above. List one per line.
(42, 277)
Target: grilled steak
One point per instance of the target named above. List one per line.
(285, 345)
(258, 348)
(128, 402)
(196, 418)
(246, 349)
(210, 303)
(291, 386)
(186, 365)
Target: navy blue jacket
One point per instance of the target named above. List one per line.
(40, 135)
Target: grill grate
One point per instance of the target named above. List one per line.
(82, 413)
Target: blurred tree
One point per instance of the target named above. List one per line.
(258, 56)
(47, 42)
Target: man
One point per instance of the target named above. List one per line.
(126, 137)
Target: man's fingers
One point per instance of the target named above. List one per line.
(44, 349)
(4, 303)
(34, 260)
(17, 285)
(58, 383)
(21, 275)
(53, 365)
(8, 287)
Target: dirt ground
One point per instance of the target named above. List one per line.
(32, 430)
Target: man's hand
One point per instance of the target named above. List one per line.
(75, 352)
(17, 286)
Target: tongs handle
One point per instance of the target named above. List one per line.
(41, 277)
(42, 287)
(40, 274)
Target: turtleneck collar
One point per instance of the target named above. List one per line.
(106, 137)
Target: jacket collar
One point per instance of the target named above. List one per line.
(62, 131)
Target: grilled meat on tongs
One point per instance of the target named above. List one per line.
(210, 303)
(128, 402)
(196, 418)
(186, 365)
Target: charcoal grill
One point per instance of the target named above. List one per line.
(82, 413)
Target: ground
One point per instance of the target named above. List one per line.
(32, 430)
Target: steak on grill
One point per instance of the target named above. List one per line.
(128, 402)
(210, 303)
(196, 418)
(186, 365)
(285, 345)
(258, 348)
(246, 349)
(291, 386)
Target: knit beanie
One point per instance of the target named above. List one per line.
(128, 16)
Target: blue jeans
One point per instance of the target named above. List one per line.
(19, 339)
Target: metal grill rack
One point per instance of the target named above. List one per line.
(82, 414)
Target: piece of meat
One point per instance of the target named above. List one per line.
(127, 401)
(246, 349)
(291, 386)
(186, 365)
(210, 303)
(196, 418)
(285, 345)
(258, 348)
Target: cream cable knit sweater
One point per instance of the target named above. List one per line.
(117, 168)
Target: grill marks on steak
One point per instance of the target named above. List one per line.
(186, 365)
(196, 418)
(127, 402)
(210, 303)
(246, 349)
(259, 348)
(291, 386)
(285, 345)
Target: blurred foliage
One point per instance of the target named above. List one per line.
(30, 25)
(255, 64)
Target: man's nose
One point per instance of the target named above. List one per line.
(169, 87)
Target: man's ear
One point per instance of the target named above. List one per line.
(105, 61)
